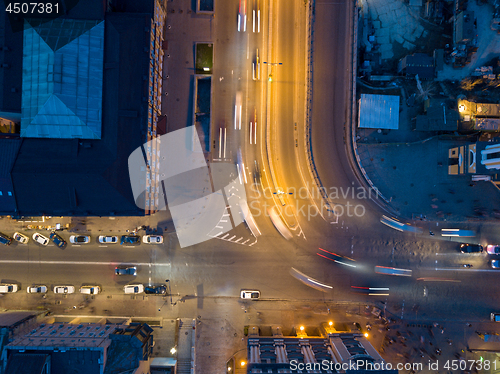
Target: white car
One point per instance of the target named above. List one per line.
(79, 239)
(6, 288)
(37, 289)
(64, 289)
(40, 239)
(90, 290)
(491, 249)
(152, 239)
(108, 239)
(134, 288)
(21, 238)
(250, 294)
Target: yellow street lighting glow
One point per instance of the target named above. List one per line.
(173, 350)
(366, 334)
(330, 323)
(301, 328)
(243, 363)
(229, 368)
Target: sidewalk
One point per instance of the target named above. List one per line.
(160, 222)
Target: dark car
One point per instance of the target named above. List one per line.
(130, 239)
(4, 239)
(470, 248)
(60, 242)
(126, 270)
(156, 290)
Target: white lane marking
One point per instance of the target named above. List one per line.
(244, 172)
(251, 132)
(255, 133)
(239, 173)
(78, 263)
(253, 11)
(220, 142)
(235, 115)
(258, 20)
(225, 141)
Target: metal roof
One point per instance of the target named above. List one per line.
(378, 112)
(62, 79)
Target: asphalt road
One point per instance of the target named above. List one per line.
(439, 286)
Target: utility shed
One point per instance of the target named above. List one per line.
(378, 112)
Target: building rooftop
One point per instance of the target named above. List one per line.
(378, 112)
(62, 79)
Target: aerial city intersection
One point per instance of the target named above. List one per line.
(249, 186)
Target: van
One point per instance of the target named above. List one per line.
(90, 290)
(6, 288)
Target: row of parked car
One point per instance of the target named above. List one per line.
(80, 239)
(89, 290)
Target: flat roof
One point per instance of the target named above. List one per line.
(62, 79)
(378, 112)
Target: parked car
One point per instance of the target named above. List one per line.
(156, 290)
(493, 249)
(495, 264)
(60, 242)
(126, 270)
(21, 238)
(470, 248)
(37, 289)
(64, 289)
(40, 239)
(131, 239)
(90, 290)
(7, 288)
(152, 239)
(108, 239)
(495, 317)
(79, 239)
(250, 294)
(134, 288)
(4, 239)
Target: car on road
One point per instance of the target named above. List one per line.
(471, 248)
(5, 239)
(493, 249)
(79, 239)
(495, 317)
(64, 289)
(90, 290)
(495, 264)
(126, 270)
(108, 239)
(8, 287)
(250, 294)
(152, 239)
(40, 239)
(156, 290)
(131, 239)
(60, 242)
(21, 238)
(134, 288)
(37, 289)
(256, 67)
(242, 16)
